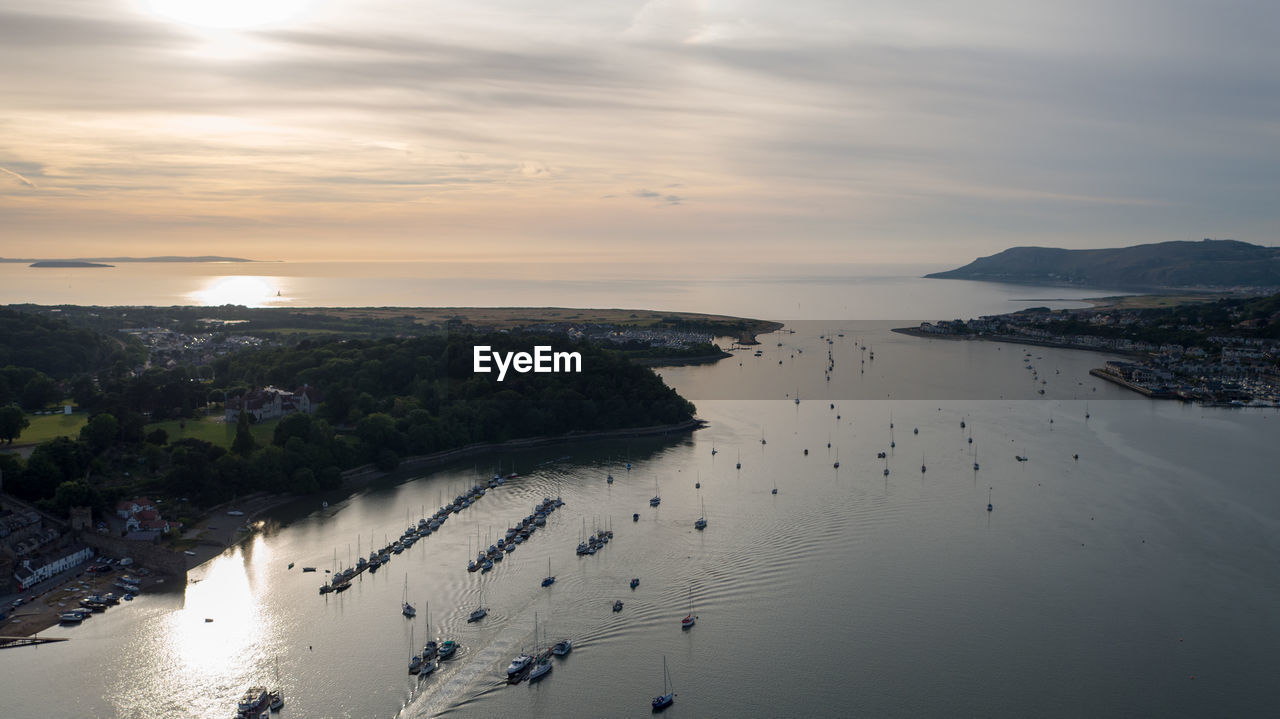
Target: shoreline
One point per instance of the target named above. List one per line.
(228, 534)
(216, 532)
(1013, 340)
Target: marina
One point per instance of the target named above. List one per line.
(1056, 510)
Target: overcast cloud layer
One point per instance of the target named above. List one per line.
(806, 130)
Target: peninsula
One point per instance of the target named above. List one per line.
(1209, 264)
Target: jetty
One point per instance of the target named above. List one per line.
(10, 642)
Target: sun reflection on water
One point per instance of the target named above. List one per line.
(247, 290)
(203, 666)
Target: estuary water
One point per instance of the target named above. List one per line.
(1126, 568)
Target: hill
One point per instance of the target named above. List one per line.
(1163, 265)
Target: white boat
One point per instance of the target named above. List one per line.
(562, 647)
(519, 664)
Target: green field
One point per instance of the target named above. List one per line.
(211, 431)
(45, 427)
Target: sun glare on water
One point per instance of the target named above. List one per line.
(227, 13)
(247, 291)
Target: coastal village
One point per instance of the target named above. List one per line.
(1214, 364)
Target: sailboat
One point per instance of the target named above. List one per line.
(549, 579)
(837, 462)
(701, 523)
(480, 611)
(415, 660)
(277, 698)
(406, 608)
(922, 467)
(542, 664)
(430, 650)
(689, 620)
(975, 459)
(739, 459)
(989, 506)
(656, 499)
(668, 695)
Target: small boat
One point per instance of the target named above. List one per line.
(308, 569)
(550, 578)
(562, 647)
(635, 582)
(609, 479)
(668, 695)
(635, 517)
(617, 606)
(989, 506)
(254, 702)
(690, 619)
(415, 659)
(406, 608)
(519, 664)
(447, 648)
(701, 523)
(71, 617)
(540, 669)
(290, 565)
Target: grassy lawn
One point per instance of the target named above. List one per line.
(45, 427)
(214, 432)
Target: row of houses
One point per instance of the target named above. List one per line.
(33, 571)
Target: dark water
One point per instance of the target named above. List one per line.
(1138, 580)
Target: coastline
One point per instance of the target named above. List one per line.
(216, 532)
(1013, 339)
(216, 538)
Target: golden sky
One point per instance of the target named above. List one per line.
(697, 130)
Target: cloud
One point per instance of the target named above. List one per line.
(20, 178)
(831, 123)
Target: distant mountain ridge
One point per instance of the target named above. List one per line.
(1162, 265)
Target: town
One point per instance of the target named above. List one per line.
(1224, 353)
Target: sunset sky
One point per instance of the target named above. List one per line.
(813, 130)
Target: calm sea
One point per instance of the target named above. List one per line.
(816, 292)
(1138, 579)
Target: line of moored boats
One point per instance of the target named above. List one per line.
(516, 535)
(341, 580)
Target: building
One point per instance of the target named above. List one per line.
(272, 403)
(34, 571)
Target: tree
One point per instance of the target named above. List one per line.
(100, 433)
(244, 443)
(39, 393)
(12, 421)
(75, 494)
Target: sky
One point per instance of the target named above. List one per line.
(690, 131)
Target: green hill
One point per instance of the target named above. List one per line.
(1165, 265)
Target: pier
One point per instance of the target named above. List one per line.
(10, 642)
